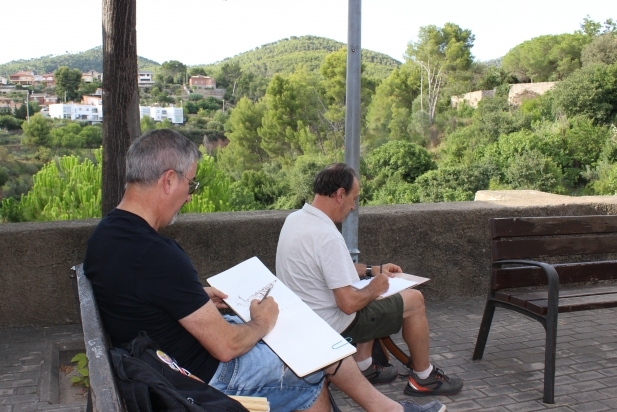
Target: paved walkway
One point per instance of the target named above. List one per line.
(508, 379)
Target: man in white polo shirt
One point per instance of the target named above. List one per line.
(312, 260)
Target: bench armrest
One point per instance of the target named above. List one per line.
(551, 276)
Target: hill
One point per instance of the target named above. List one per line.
(88, 60)
(279, 57)
(284, 55)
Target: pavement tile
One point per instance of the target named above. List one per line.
(591, 407)
(528, 406)
(509, 378)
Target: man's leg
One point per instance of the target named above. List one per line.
(425, 379)
(363, 351)
(322, 403)
(415, 328)
(350, 380)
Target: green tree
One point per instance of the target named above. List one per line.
(23, 111)
(399, 158)
(67, 82)
(333, 94)
(197, 71)
(299, 180)
(544, 58)
(10, 122)
(244, 151)
(593, 28)
(442, 53)
(171, 71)
(64, 190)
(590, 27)
(213, 194)
(165, 124)
(533, 171)
(91, 137)
(591, 91)
(37, 131)
(390, 112)
(147, 123)
(290, 125)
(602, 49)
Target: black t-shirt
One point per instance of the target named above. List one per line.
(145, 281)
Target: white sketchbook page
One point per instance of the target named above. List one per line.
(395, 285)
(302, 339)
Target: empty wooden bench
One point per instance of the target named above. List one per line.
(103, 395)
(581, 246)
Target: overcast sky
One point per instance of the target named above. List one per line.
(206, 31)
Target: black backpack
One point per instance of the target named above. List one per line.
(148, 384)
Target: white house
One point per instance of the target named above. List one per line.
(74, 111)
(158, 114)
(93, 112)
(145, 79)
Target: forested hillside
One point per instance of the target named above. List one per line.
(88, 60)
(275, 130)
(285, 55)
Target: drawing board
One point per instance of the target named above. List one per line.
(300, 337)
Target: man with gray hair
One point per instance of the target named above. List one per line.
(145, 282)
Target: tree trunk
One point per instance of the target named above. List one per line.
(120, 95)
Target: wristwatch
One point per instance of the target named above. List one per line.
(369, 271)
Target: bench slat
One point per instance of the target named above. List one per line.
(519, 298)
(576, 303)
(560, 246)
(537, 301)
(515, 277)
(547, 226)
(105, 397)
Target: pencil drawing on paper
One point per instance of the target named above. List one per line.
(257, 295)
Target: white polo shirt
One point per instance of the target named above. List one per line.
(312, 259)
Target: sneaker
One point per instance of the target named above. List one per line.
(410, 406)
(438, 383)
(377, 374)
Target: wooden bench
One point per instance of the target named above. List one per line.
(103, 395)
(578, 248)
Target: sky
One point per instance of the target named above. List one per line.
(205, 31)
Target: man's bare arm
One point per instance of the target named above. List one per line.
(227, 341)
(388, 268)
(351, 300)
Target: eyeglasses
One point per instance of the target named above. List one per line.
(193, 185)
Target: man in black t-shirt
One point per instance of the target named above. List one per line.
(145, 281)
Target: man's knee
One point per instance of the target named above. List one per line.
(413, 300)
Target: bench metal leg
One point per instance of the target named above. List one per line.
(550, 355)
(485, 327)
(89, 404)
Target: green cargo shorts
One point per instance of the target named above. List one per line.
(380, 318)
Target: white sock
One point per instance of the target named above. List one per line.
(364, 365)
(424, 374)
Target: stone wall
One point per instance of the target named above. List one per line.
(523, 91)
(216, 93)
(447, 242)
(471, 98)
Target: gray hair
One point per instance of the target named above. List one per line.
(157, 151)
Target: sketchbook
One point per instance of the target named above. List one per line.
(300, 337)
(400, 281)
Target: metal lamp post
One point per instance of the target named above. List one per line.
(352, 116)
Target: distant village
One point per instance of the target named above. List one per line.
(90, 109)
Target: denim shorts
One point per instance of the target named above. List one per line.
(260, 372)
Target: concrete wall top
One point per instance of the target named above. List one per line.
(447, 242)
